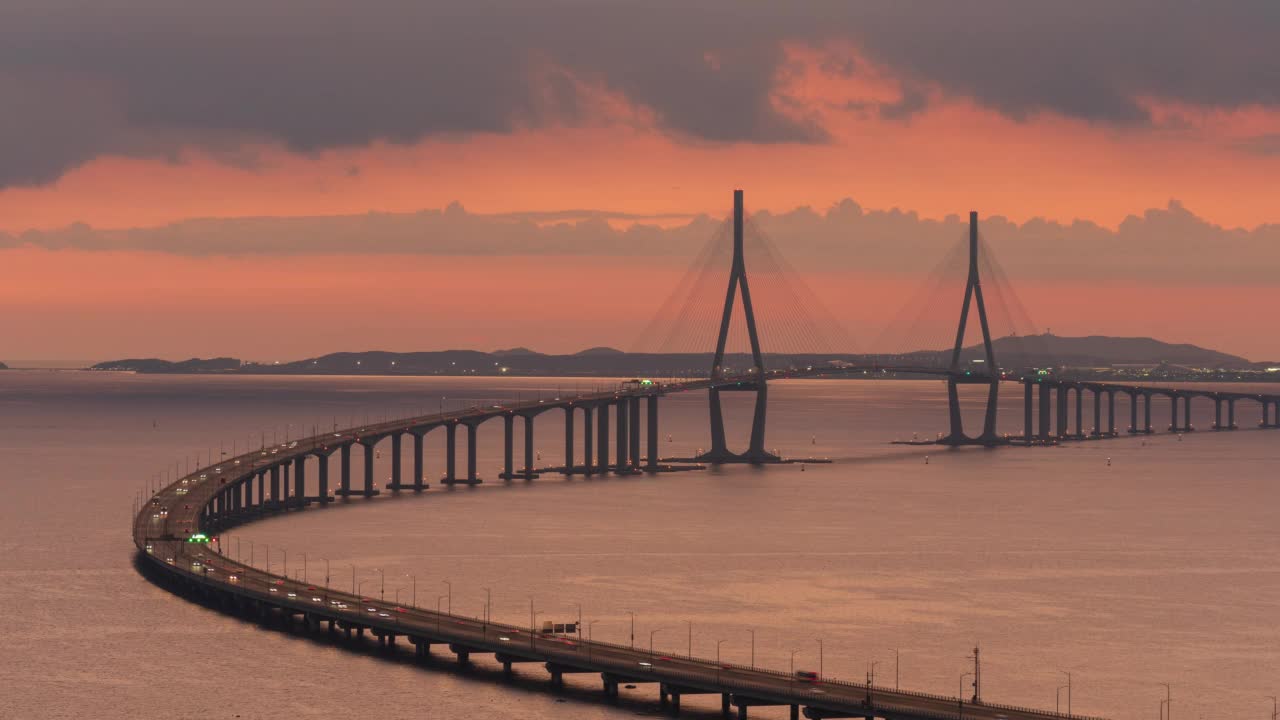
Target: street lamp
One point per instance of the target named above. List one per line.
(1273, 706)
(753, 647)
(895, 668)
(819, 657)
(304, 569)
(438, 599)
(791, 678)
(360, 588)
(633, 629)
(488, 604)
(1057, 701)
(1064, 672)
(871, 672)
(449, 594)
(1167, 704)
(382, 593)
(690, 653)
(653, 632)
(960, 694)
(589, 626)
(718, 644)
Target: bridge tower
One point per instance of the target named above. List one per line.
(719, 452)
(961, 374)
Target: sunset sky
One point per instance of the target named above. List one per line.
(516, 155)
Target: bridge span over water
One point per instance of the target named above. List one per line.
(170, 524)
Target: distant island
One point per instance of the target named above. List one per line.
(1085, 357)
(3, 366)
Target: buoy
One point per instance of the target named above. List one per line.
(926, 459)
(668, 437)
(1108, 462)
(801, 467)
(813, 440)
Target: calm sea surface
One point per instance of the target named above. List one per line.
(1128, 563)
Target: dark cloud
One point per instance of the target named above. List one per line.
(83, 77)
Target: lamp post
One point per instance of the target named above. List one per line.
(488, 604)
(382, 593)
(653, 632)
(414, 579)
(589, 626)
(1274, 706)
(819, 657)
(633, 629)
(1064, 672)
(791, 677)
(753, 647)
(718, 644)
(353, 578)
(360, 588)
(895, 669)
(578, 626)
(1057, 701)
(438, 599)
(1168, 702)
(304, 569)
(689, 654)
(961, 692)
(871, 672)
(266, 550)
(449, 595)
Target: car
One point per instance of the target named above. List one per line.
(343, 606)
(293, 594)
(504, 638)
(384, 614)
(372, 610)
(150, 550)
(233, 578)
(203, 476)
(317, 599)
(271, 589)
(647, 666)
(169, 559)
(809, 675)
(334, 603)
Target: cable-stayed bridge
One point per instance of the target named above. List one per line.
(620, 430)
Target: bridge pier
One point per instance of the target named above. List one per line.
(1146, 408)
(473, 430)
(395, 462)
(275, 484)
(1111, 413)
(300, 481)
(283, 501)
(1266, 413)
(344, 464)
(369, 449)
(651, 416)
(588, 459)
(602, 437)
(1028, 395)
(322, 478)
(451, 452)
(528, 447)
(419, 471)
(1079, 433)
(633, 424)
(623, 440)
(1173, 405)
(1062, 429)
(1046, 395)
(1231, 414)
(1096, 431)
(568, 439)
(508, 449)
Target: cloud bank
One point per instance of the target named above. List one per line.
(82, 78)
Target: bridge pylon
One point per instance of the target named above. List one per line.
(719, 452)
(961, 374)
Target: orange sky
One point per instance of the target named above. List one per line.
(953, 156)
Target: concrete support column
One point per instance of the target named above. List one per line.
(284, 485)
(323, 478)
(602, 437)
(588, 457)
(1231, 414)
(300, 481)
(623, 437)
(724, 705)
(1028, 395)
(1217, 413)
(568, 440)
(633, 425)
(1079, 411)
(395, 462)
(651, 416)
(1173, 417)
(1062, 428)
(1133, 412)
(419, 471)
(1111, 412)
(1097, 413)
(262, 488)
(508, 446)
(451, 452)
(368, 468)
(473, 432)
(528, 447)
(1146, 413)
(1266, 413)
(275, 484)
(1046, 396)
(1186, 414)
(344, 470)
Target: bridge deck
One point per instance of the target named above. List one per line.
(161, 538)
